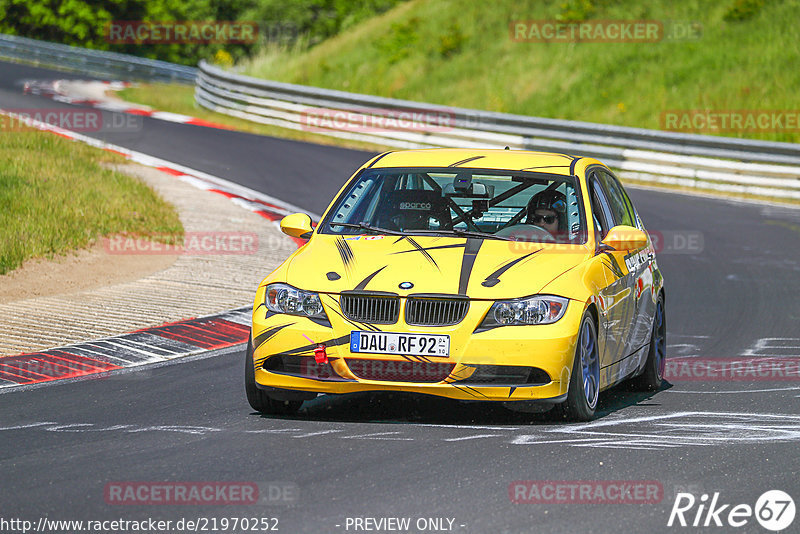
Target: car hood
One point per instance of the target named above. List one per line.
(479, 268)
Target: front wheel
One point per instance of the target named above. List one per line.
(653, 374)
(584, 382)
(257, 398)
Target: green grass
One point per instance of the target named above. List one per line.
(462, 54)
(177, 98)
(56, 196)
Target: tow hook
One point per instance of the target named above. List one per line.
(319, 353)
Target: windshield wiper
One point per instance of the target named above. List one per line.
(463, 233)
(365, 226)
(456, 231)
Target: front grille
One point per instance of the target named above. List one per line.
(508, 375)
(424, 311)
(400, 371)
(370, 308)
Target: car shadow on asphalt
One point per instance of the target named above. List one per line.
(411, 408)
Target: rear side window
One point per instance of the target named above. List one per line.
(620, 203)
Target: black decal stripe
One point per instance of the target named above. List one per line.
(572, 166)
(457, 163)
(343, 340)
(363, 284)
(345, 252)
(424, 252)
(267, 334)
(485, 328)
(494, 278)
(438, 247)
(613, 265)
(321, 321)
(548, 166)
(475, 390)
(376, 160)
(364, 326)
(468, 389)
(467, 263)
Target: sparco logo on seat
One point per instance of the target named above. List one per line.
(415, 205)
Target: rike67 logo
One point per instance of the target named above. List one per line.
(774, 510)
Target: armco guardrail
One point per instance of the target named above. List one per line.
(93, 62)
(708, 162)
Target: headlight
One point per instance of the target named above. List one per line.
(283, 298)
(541, 309)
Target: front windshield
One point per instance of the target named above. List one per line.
(523, 206)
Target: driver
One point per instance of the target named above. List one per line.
(548, 209)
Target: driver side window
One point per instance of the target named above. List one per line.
(618, 201)
(601, 210)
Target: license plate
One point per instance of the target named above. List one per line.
(396, 343)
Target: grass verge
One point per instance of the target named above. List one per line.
(56, 196)
(727, 55)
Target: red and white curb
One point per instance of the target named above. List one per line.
(262, 204)
(151, 345)
(166, 342)
(62, 91)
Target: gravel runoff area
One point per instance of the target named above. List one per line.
(237, 249)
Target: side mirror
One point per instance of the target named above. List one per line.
(625, 238)
(297, 225)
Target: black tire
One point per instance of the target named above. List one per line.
(258, 399)
(652, 376)
(578, 407)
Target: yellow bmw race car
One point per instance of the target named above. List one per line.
(495, 275)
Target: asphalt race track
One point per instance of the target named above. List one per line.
(732, 293)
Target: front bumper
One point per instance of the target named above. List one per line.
(284, 346)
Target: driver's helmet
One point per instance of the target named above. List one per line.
(549, 199)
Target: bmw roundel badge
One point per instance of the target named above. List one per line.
(406, 285)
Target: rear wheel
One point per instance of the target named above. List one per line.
(584, 382)
(258, 399)
(653, 374)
